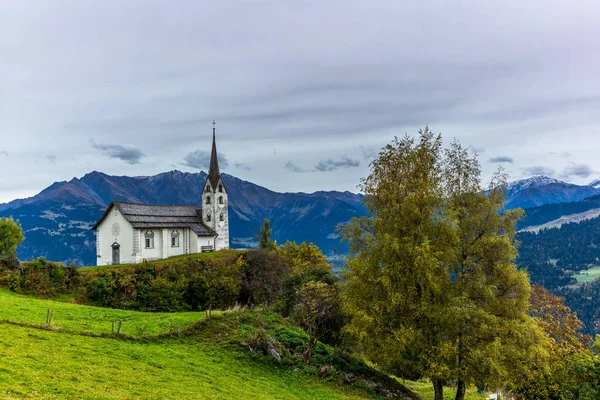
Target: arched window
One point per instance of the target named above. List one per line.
(220, 199)
(149, 236)
(220, 188)
(221, 218)
(174, 239)
(208, 200)
(207, 217)
(207, 189)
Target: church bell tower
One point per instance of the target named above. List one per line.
(214, 200)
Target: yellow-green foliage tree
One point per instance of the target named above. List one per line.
(569, 369)
(11, 236)
(303, 257)
(432, 278)
(318, 311)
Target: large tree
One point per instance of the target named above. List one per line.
(431, 278)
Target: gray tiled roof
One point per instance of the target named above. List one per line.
(145, 216)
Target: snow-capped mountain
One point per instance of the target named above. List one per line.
(595, 184)
(540, 190)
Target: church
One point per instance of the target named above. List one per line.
(129, 233)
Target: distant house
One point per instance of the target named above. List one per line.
(131, 233)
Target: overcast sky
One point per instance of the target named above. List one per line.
(304, 93)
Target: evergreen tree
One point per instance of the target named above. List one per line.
(264, 238)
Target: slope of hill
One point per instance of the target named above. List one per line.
(57, 221)
(193, 358)
(564, 219)
(551, 212)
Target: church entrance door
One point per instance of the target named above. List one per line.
(116, 253)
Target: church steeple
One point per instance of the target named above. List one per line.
(213, 171)
(215, 204)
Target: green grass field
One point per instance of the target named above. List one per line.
(69, 363)
(425, 389)
(78, 318)
(80, 358)
(591, 275)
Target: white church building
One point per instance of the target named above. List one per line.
(131, 233)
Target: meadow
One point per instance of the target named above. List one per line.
(590, 275)
(157, 356)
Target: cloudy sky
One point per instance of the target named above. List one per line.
(305, 93)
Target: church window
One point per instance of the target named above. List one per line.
(208, 200)
(220, 199)
(207, 189)
(174, 239)
(221, 218)
(207, 217)
(221, 188)
(149, 236)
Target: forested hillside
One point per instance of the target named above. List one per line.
(553, 256)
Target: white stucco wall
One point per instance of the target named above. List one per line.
(152, 253)
(133, 241)
(105, 237)
(204, 241)
(215, 209)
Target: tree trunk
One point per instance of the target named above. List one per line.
(308, 351)
(438, 389)
(460, 390)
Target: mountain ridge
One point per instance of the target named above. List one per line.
(57, 221)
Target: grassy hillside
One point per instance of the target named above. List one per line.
(165, 356)
(89, 320)
(40, 363)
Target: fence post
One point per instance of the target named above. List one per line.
(119, 327)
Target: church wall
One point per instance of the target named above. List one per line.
(179, 250)
(157, 251)
(204, 241)
(105, 237)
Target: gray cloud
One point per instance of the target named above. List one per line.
(3, 154)
(295, 91)
(560, 154)
(477, 150)
(129, 154)
(51, 159)
(369, 154)
(200, 159)
(502, 159)
(290, 166)
(577, 170)
(242, 166)
(330, 164)
(538, 170)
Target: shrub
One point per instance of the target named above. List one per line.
(263, 276)
(14, 281)
(99, 292)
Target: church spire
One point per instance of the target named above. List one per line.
(213, 171)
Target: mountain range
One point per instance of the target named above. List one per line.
(57, 222)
